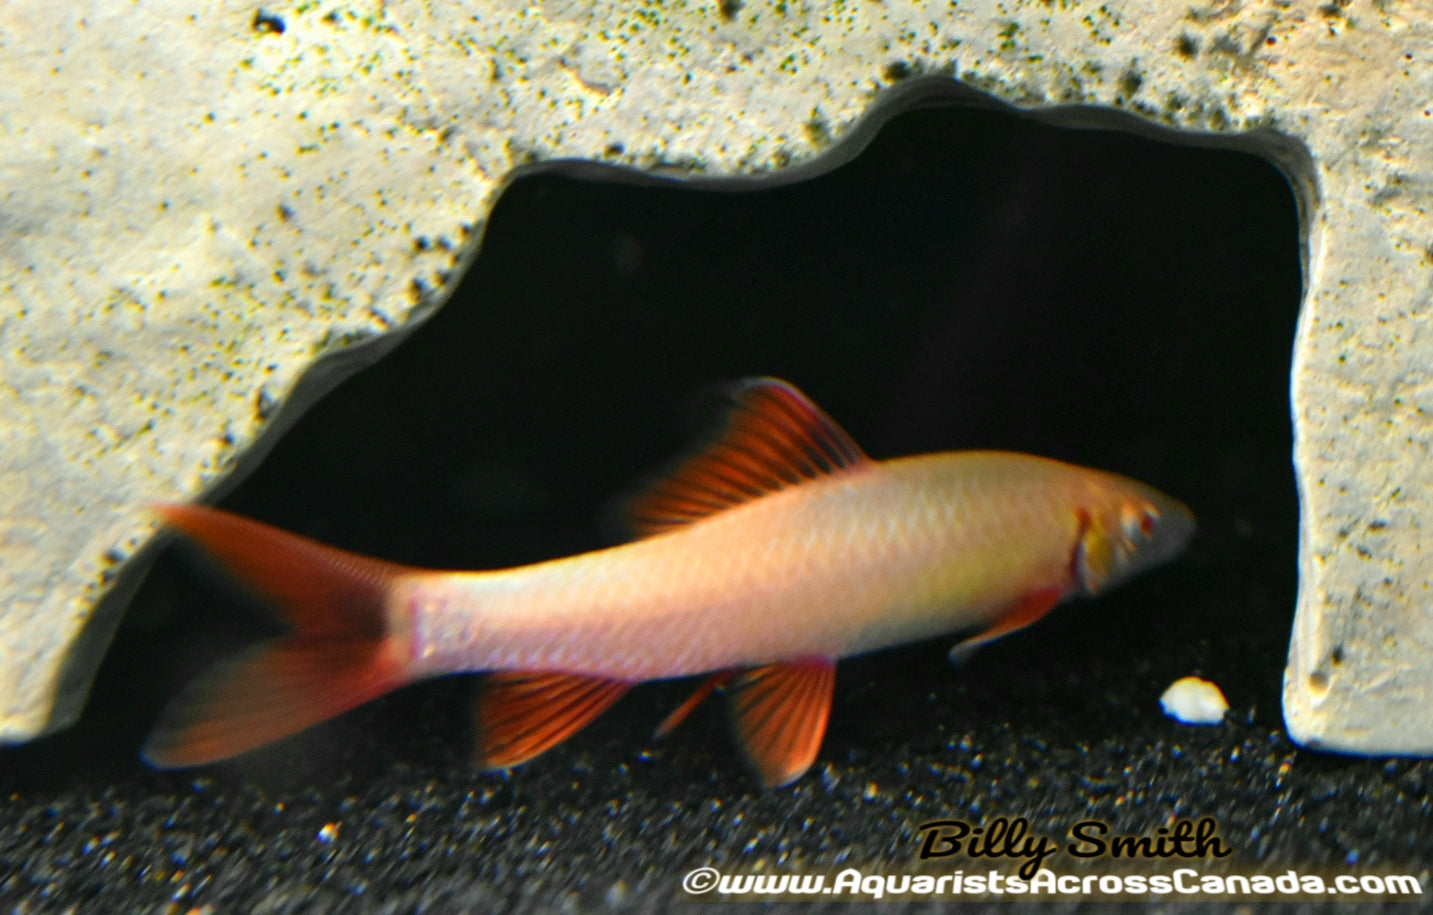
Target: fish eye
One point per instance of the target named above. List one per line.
(1148, 521)
(1140, 521)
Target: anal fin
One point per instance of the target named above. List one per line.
(779, 714)
(521, 714)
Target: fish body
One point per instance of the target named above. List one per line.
(772, 552)
(885, 554)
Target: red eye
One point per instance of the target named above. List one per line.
(1148, 519)
(1138, 522)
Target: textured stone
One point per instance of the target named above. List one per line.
(201, 203)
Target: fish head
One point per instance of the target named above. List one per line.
(1127, 527)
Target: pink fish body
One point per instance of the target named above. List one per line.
(769, 554)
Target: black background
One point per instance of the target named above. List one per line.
(972, 279)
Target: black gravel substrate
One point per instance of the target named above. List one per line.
(972, 280)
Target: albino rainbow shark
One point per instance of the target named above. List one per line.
(762, 559)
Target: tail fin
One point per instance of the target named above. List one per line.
(340, 654)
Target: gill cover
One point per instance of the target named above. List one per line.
(1134, 534)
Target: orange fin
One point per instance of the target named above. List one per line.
(340, 654)
(771, 437)
(273, 691)
(522, 714)
(779, 713)
(1022, 613)
(320, 591)
(679, 714)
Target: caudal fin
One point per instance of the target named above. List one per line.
(339, 655)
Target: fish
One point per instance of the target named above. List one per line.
(758, 561)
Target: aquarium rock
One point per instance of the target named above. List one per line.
(213, 212)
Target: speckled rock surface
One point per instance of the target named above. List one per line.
(972, 279)
(198, 205)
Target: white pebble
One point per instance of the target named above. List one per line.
(1194, 701)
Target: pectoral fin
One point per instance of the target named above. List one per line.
(1020, 614)
(779, 714)
(522, 714)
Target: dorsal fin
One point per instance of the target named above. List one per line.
(771, 437)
